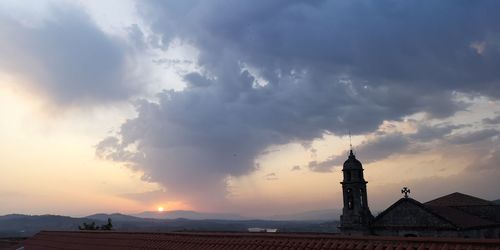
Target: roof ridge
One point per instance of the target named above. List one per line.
(458, 199)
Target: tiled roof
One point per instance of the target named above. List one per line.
(458, 199)
(378, 223)
(441, 209)
(143, 240)
(461, 219)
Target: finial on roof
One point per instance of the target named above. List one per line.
(405, 191)
(350, 141)
(351, 154)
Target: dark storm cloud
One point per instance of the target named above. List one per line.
(385, 42)
(282, 71)
(64, 57)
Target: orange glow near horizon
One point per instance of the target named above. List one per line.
(162, 206)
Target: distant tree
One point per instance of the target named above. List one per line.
(92, 226)
(108, 226)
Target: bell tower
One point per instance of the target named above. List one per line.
(356, 216)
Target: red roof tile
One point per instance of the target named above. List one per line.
(143, 240)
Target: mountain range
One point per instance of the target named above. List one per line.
(188, 214)
(318, 215)
(18, 225)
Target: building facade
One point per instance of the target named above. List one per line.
(453, 215)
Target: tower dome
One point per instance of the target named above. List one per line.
(352, 162)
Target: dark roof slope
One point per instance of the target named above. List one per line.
(461, 219)
(143, 240)
(458, 199)
(400, 210)
(452, 216)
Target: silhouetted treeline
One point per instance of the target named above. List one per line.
(92, 226)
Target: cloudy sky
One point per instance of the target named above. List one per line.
(244, 106)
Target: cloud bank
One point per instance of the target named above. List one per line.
(64, 57)
(274, 72)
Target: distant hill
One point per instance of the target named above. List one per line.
(16, 225)
(26, 225)
(319, 215)
(20, 225)
(191, 215)
(496, 202)
(12, 216)
(114, 217)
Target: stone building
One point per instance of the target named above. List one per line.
(453, 215)
(356, 216)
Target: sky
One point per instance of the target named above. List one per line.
(244, 106)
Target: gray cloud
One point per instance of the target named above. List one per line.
(65, 57)
(427, 133)
(473, 137)
(295, 168)
(487, 161)
(385, 145)
(385, 42)
(381, 147)
(492, 121)
(324, 166)
(194, 80)
(329, 66)
(271, 177)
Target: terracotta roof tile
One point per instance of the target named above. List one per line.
(142, 240)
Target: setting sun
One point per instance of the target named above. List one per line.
(160, 209)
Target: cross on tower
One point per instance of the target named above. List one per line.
(405, 191)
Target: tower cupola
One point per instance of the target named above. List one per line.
(352, 162)
(356, 216)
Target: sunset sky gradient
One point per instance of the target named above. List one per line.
(244, 106)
